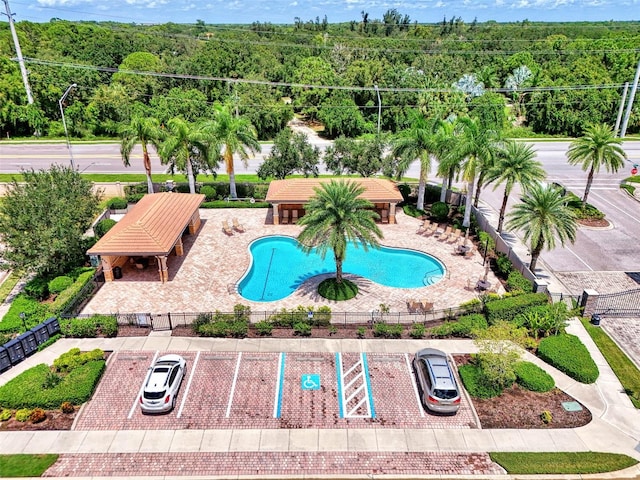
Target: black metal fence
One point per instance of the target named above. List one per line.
(621, 304)
(169, 321)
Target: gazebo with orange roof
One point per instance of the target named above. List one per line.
(152, 228)
(289, 196)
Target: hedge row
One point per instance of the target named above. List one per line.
(463, 327)
(508, 308)
(532, 377)
(70, 295)
(105, 325)
(27, 390)
(569, 355)
(476, 383)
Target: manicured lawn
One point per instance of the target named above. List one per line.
(332, 290)
(625, 369)
(558, 463)
(22, 465)
(8, 284)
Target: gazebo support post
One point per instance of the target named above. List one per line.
(163, 270)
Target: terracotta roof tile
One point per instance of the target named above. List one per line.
(151, 227)
(299, 190)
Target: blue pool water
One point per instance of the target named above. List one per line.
(279, 267)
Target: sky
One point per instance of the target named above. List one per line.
(285, 11)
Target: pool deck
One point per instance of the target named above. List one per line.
(203, 279)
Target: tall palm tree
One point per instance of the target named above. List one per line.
(514, 164)
(598, 147)
(477, 146)
(542, 216)
(236, 135)
(188, 148)
(416, 142)
(144, 131)
(336, 215)
(448, 161)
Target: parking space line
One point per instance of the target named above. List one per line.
(413, 382)
(339, 382)
(233, 385)
(186, 391)
(277, 404)
(137, 399)
(365, 363)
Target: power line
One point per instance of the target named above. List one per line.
(308, 85)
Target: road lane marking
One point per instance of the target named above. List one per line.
(339, 382)
(233, 385)
(137, 399)
(186, 391)
(277, 404)
(415, 385)
(632, 217)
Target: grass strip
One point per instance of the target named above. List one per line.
(561, 463)
(11, 281)
(622, 366)
(26, 465)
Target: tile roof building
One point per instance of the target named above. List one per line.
(152, 228)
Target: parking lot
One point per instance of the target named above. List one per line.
(269, 390)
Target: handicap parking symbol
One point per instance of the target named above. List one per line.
(310, 381)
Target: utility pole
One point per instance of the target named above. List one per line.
(627, 113)
(16, 43)
(379, 107)
(621, 109)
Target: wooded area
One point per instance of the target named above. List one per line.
(530, 77)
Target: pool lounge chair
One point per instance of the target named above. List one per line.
(455, 236)
(443, 236)
(238, 227)
(226, 228)
(424, 226)
(431, 229)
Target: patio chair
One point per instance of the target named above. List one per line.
(285, 217)
(414, 306)
(294, 216)
(384, 218)
(426, 306)
(226, 228)
(424, 226)
(238, 227)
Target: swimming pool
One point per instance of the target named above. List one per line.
(279, 266)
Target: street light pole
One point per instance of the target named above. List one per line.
(23, 316)
(64, 123)
(379, 107)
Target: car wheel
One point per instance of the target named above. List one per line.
(173, 403)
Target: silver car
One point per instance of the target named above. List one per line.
(162, 383)
(439, 391)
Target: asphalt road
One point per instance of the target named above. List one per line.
(609, 250)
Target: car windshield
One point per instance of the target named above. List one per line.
(445, 394)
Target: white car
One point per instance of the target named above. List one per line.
(161, 385)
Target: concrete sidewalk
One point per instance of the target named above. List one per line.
(615, 426)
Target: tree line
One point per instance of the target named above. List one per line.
(526, 77)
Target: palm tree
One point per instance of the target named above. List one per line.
(477, 147)
(596, 148)
(144, 131)
(542, 216)
(417, 142)
(189, 147)
(514, 164)
(235, 135)
(448, 162)
(336, 215)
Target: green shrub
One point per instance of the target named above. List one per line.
(361, 332)
(237, 204)
(49, 342)
(71, 297)
(51, 380)
(417, 331)
(5, 414)
(476, 383)
(503, 264)
(264, 328)
(78, 327)
(440, 211)
(67, 407)
(463, 327)
(107, 325)
(302, 328)
(119, 203)
(23, 414)
(103, 226)
(238, 329)
(483, 238)
(135, 197)
(384, 330)
(517, 282)
(201, 319)
(74, 358)
(37, 288)
(508, 308)
(569, 355)
(287, 318)
(35, 313)
(532, 377)
(473, 305)
(77, 386)
(544, 320)
(209, 192)
(60, 284)
(411, 211)
(224, 328)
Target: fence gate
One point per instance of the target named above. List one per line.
(160, 321)
(622, 304)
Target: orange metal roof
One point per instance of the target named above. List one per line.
(151, 227)
(300, 190)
